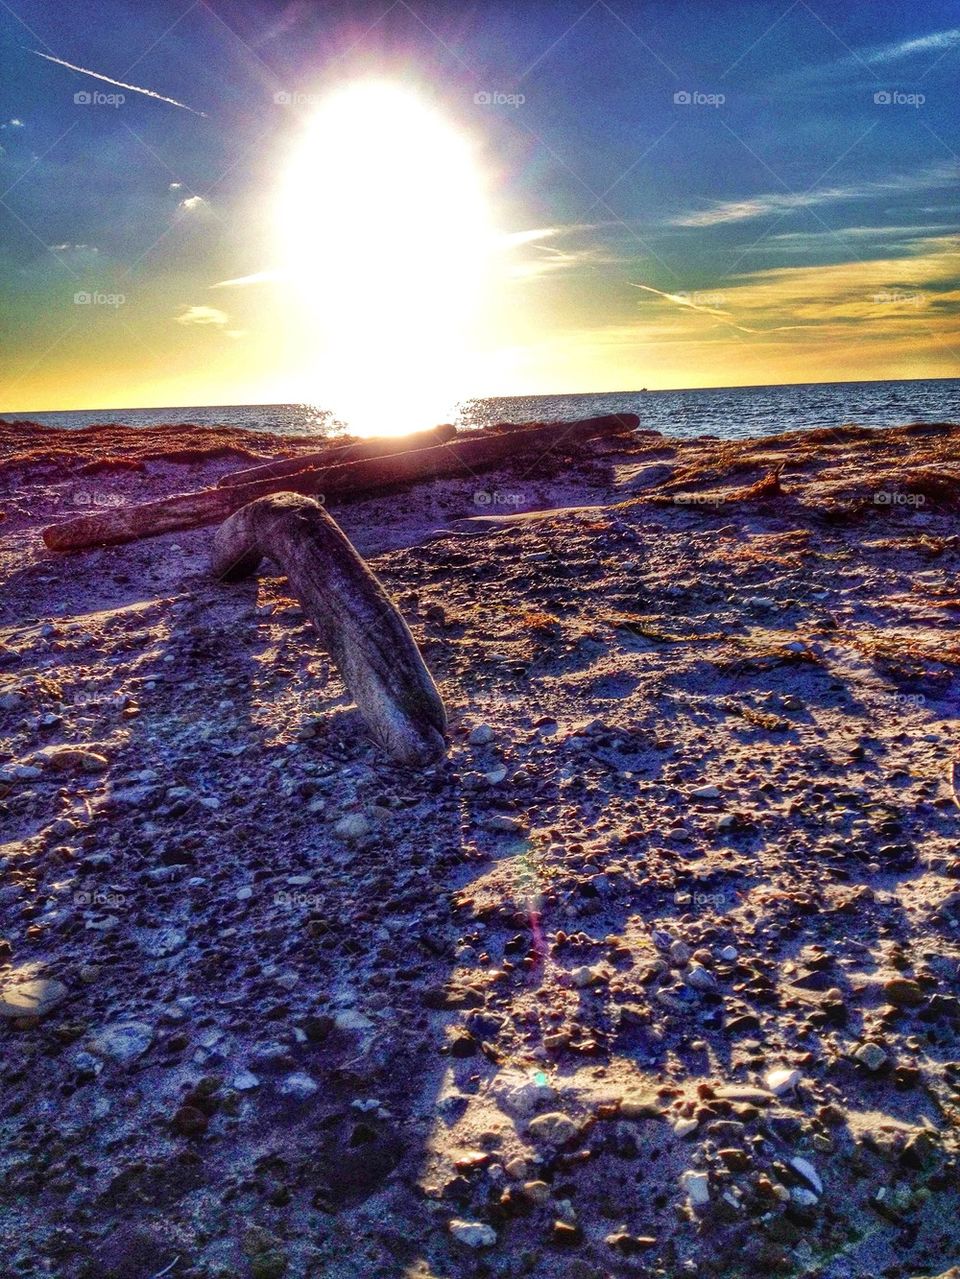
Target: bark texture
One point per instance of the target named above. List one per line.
(340, 481)
(357, 622)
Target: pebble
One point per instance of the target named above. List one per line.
(519, 1094)
(66, 758)
(871, 1055)
(807, 1171)
(729, 954)
(298, 1086)
(684, 1127)
(353, 826)
(244, 1081)
(782, 1081)
(30, 998)
(473, 1234)
(587, 976)
(705, 792)
(697, 1186)
(482, 735)
(122, 1042)
(701, 979)
(903, 992)
(553, 1128)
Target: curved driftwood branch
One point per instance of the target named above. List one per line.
(358, 624)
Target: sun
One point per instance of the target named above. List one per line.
(385, 228)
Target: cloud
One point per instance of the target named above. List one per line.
(175, 186)
(203, 315)
(13, 124)
(244, 281)
(935, 42)
(932, 177)
(193, 204)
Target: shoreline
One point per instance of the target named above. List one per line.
(657, 970)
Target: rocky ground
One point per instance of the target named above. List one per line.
(655, 976)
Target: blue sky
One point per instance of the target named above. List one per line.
(693, 194)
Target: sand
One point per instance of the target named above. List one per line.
(656, 975)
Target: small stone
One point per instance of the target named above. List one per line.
(189, 1121)
(519, 1094)
(628, 1244)
(32, 997)
(699, 978)
(680, 952)
(244, 1081)
(353, 826)
(705, 792)
(504, 822)
(298, 1086)
(482, 735)
(553, 1128)
(903, 992)
(729, 953)
(697, 1186)
(641, 1106)
(122, 1042)
(871, 1055)
(64, 759)
(782, 1081)
(807, 1171)
(587, 976)
(684, 1127)
(565, 1233)
(473, 1234)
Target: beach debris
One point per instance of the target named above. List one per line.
(112, 525)
(358, 624)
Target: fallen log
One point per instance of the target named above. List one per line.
(380, 446)
(458, 458)
(358, 624)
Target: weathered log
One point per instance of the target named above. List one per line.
(380, 446)
(347, 480)
(359, 626)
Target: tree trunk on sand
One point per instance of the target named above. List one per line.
(380, 446)
(358, 624)
(458, 459)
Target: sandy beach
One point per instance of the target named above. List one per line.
(655, 975)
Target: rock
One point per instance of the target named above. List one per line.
(122, 1042)
(871, 1055)
(519, 1094)
(504, 822)
(699, 978)
(473, 1234)
(903, 992)
(482, 735)
(706, 792)
(189, 1121)
(77, 759)
(807, 1171)
(353, 826)
(565, 1233)
(553, 1128)
(782, 1081)
(587, 976)
(729, 954)
(30, 997)
(244, 1081)
(629, 1244)
(641, 1106)
(697, 1186)
(684, 1127)
(298, 1086)
(679, 952)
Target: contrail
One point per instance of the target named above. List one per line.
(722, 316)
(134, 88)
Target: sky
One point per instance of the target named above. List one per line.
(303, 201)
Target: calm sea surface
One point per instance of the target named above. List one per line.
(731, 413)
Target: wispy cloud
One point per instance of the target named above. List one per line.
(120, 84)
(203, 315)
(245, 281)
(932, 177)
(935, 42)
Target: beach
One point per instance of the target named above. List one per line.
(655, 974)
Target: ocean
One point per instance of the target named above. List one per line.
(727, 412)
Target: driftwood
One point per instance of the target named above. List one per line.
(381, 446)
(358, 624)
(457, 458)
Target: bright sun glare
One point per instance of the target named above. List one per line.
(385, 230)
